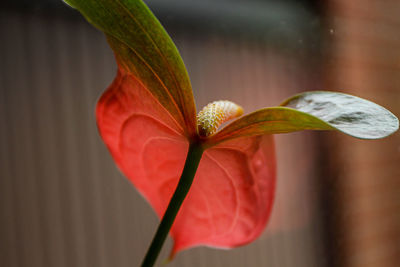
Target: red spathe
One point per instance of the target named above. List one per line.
(231, 197)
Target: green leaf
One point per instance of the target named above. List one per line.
(144, 49)
(319, 110)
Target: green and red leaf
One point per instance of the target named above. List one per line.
(147, 119)
(144, 50)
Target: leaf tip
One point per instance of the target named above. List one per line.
(354, 116)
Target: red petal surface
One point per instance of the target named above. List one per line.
(231, 197)
(232, 194)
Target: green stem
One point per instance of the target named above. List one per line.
(189, 170)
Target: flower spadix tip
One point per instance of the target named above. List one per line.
(216, 113)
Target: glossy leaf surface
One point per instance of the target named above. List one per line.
(316, 111)
(144, 49)
(232, 193)
(349, 114)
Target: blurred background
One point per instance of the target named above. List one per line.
(64, 203)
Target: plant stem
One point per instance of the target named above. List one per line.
(189, 170)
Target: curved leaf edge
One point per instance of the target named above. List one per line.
(391, 118)
(238, 128)
(184, 114)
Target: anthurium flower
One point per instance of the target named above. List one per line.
(147, 118)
